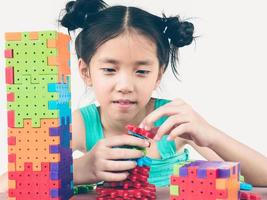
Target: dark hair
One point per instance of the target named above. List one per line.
(101, 23)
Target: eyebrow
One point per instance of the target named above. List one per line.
(115, 62)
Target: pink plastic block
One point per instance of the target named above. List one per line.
(8, 53)
(10, 97)
(9, 75)
(11, 140)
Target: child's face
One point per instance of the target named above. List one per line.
(124, 71)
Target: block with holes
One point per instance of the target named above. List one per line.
(136, 186)
(205, 180)
(39, 115)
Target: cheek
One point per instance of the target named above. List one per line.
(145, 89)
(147, 85)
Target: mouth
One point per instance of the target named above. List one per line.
(124, 102)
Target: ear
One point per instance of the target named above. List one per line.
(84, 72)
(161, 71)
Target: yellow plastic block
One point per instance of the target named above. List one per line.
(221, 184)
(11, 184)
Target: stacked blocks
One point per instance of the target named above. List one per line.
(136, 185)
(39, 115)
(244, 195)
(205, 180)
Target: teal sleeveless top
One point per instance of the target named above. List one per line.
(160, 169)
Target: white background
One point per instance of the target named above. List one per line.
(223, 74)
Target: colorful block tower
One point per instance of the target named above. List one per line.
(205, 180)
(136, 185)
(39, 115)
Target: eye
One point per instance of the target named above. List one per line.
(108, 70)
(143, 72)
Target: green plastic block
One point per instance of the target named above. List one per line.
(176, 167)
(83, 189)
(33, 100)
(174, 190)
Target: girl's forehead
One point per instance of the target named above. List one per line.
(127, 46)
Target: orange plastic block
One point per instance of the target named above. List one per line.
(13, 36)
(32, 144)
(34, 35)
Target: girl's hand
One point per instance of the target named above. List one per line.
(105, 162)
(182, 122)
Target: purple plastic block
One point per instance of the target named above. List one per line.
(53, 132)
(54, 193)
(54, 148)
(54, 175)
(183, 171)
(201, 173)
(54, 166)
(224, 173)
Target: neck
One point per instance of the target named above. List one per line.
(115, 127)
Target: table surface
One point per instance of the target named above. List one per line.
(162, 194)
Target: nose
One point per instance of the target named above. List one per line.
(125, 84)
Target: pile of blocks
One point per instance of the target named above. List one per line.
(39, 115)
(205, 180)
(136, 186)
(244, 195)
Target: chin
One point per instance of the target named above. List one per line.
(124, 117)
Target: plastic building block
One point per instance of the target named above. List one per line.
(147, 192)
(39, 135)
(245, 186)
(249, 196)
(209, 180)
(140, 132)
(83, 189)
(136, 185)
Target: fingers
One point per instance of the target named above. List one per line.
(111, 176)
(170, 124)
(115, 170)
(149, 120)
(121, 140)
(168, 109)
(118, 166)
(179, 131)
(122, 153)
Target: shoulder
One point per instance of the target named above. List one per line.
(78, 131)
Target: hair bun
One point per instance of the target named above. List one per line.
(78, 11)
(180, 33)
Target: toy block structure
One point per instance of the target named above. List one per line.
(136, 185)
(244, 195)
(205, 180)
(39, 115)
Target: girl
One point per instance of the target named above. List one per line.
(122, 54)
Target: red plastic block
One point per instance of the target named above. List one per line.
(10, 97)
(11, 140)
(8, 53)
(140, 131)
(12, 158)
(148, 192)
(11, 118)
(33, 184)
(9, 75)
(249, 196)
